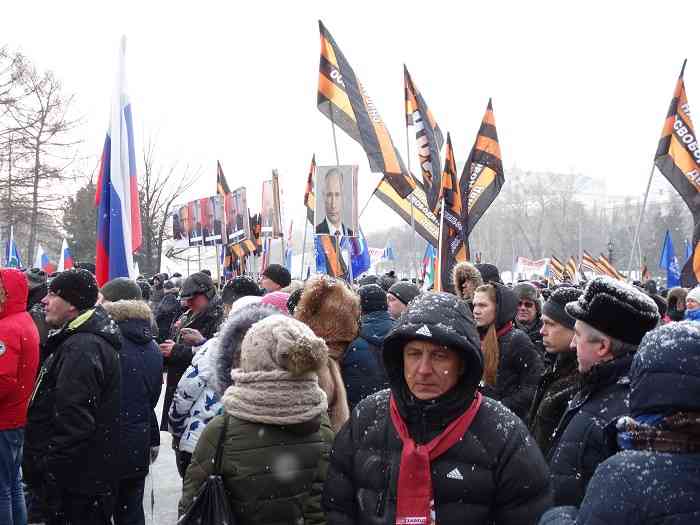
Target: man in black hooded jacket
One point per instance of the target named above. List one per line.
(475, 452)
(72, 434)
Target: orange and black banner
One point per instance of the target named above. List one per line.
(426, 222)
(335, 265)
(588, 262)
(678, 158)
(645, 273)
(342, 98)
(309, 197)
(482, 177)
(608, 269)
(570, 271)
(455, 245)
(558, 269)
(428, 137)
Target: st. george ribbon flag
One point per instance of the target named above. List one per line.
(117, 196)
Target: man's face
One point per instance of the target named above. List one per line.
(269, 284)
(197, 303)
(396, 307)
(429, 369)
(555, 336)
(589, 350)
(527, 311)
(334, 197)
(484, 309)
(58, 310)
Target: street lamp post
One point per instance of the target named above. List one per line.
(611, 247)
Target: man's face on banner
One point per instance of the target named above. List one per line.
(334, 197)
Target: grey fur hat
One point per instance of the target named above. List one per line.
(227, 352)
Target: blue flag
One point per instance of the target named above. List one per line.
(12, 258)
(688, 251)
(670, 263)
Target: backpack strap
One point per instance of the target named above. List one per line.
(220, 447)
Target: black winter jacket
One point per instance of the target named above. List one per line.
(165, 314)
(361, 367)
(142, 379)
(72, 433)
(479, 480)
(519, 370)
(557, 387)
(580, 442)
(207, 322)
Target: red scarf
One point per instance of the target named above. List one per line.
(415, 488)
(505, 329)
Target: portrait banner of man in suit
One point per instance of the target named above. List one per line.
(336, 201)
(237, 220)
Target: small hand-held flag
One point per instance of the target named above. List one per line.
(42, 260)
(12, 258)
(65, 261)
(117, 197)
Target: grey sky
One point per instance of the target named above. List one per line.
(580, 88)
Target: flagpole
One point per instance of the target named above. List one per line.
(218, 265)
(303, 247)
(635, 242)
(413, 220)
(442, 221)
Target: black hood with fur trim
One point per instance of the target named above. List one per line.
(226, 353)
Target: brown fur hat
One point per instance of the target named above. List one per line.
(331, 310)
(465, 271)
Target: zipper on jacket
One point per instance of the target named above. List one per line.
(37, 383)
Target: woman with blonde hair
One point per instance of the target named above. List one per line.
(512, 367)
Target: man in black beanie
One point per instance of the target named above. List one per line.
(559, 383)
(275, 277)
(361, 367)
(611, 320)
(398, 297)
(72, 435)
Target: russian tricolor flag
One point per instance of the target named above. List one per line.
(42, 260)
(65, 261)
(117, 198)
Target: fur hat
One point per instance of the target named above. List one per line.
(331, 310)
(279, 342)
(462, 272)
(554, 307)
(368, 279)
(77, 287)
(404, 291)
(277, 300)
(278, 274)
(489, 273)
(676, 296)
(293, 300)
(121, 289)
(387, 280)
(372, 298)
(615, 308)
(526, 291)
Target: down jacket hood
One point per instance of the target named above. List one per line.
(228, 347)
(134, 318)
(462, 272)
(506, 305)
(16, 292)
(443, 319)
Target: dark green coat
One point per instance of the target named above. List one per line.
(273, 474)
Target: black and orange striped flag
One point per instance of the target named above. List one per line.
(343, 99)
(222, 187)
(645, 273)
(309, 197)
(572, 269)
(454, 249)
(428, 136)
(608, 269)
(678, 158)
(482, 177)
(557, 269)
(588, 262)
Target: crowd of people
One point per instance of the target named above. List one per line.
(371, 402)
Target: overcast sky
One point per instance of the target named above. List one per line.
(581, 89)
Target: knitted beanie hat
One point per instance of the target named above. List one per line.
(238, 287)
(404, 291)
(694, 294)
(372, 298)
(278, 274)
(554, 307)
(77, 287)
(121, 289)
(277, 300)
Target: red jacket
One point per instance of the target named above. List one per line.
(19, 350)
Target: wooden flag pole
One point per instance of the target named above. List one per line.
(635, 242)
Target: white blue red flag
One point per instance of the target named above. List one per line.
(117, 198)
(42, 260)
(12, 258)
(65, 262)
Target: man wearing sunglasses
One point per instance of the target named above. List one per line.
(528, 316)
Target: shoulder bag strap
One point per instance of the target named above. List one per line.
(220, 447)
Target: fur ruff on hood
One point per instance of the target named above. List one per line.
(463, 272)
(128, 309)
(332, 311)
(226, 352)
